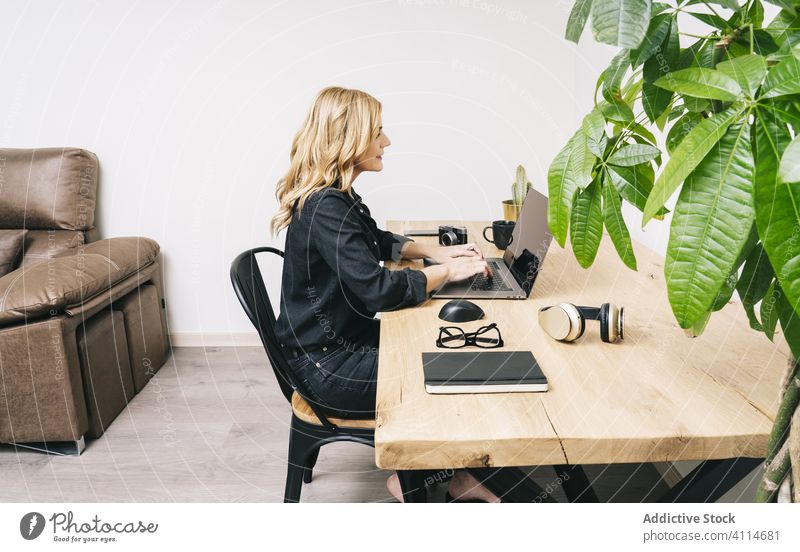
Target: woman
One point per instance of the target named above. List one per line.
(333, 283)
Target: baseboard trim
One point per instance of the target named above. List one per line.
(215, 339)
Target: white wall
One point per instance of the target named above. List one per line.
(191, 107)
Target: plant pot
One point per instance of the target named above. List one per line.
(510, 210)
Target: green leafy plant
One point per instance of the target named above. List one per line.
(727, 103)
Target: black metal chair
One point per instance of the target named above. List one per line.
(310, 428)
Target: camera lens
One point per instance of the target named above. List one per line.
(448, 238)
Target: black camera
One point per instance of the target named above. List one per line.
(452, 235)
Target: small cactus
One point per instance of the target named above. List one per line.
(519, 189)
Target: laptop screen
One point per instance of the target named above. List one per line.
(531, 231)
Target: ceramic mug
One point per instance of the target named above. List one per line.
(501, 233)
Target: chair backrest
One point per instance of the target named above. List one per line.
(249, 287)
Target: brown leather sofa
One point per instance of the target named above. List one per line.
(82, 319)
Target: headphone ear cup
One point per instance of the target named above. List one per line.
(614, 323)
(577, 322)
(603, 317)
(561, 322)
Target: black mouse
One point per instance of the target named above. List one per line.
(460, 310)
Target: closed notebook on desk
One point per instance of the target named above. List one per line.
(456, 372)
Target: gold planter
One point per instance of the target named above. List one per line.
(510, 210)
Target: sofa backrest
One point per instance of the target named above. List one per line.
(52, 192)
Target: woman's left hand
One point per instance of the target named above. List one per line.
(446, 254)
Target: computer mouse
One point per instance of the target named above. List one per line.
(460, 310)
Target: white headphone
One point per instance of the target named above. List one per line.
(567, 322)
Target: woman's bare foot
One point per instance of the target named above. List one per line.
(393, 484)
(464, 486)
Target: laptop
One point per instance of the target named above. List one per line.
(515, 272)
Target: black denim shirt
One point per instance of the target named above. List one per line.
(333, 282)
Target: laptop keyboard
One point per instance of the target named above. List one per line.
(482, 283)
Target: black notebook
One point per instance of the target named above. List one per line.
(455, 372)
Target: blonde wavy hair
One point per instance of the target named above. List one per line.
(338, 129)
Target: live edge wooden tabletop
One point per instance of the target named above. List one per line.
(659, 395)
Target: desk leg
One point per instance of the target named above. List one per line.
(412, 483)
(575, 483)
(711, 479)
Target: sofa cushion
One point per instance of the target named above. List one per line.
(43, 244)
(72, 277)
(10, 246)
(48, 188)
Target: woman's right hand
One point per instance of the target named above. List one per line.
(462, 268)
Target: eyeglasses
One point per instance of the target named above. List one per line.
(453, 337)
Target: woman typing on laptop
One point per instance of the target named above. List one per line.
(333, 283)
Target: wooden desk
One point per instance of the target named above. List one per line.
(657, 396)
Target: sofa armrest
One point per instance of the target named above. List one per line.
(72, 277)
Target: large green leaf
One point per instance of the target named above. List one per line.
(727, 289)
(749, 71)
(656, 34)
(770, 310)
(620, 22)
(561, 186)
(755, 279)
(785, 111)
(656, 100)
(634, 154)
(594, 127)
(640, 130)
(725, 292)
(616, 111)
(710, 225)
(614, 75)
(634, 184)
(756, 13)
(789, 5)
(688, 155)
(785, 28)
(789, 170)
(701, 83)
(586, 228)
(577, 20)
(782, 79)
(763, 44)
(777, 211)
(632, 90)
(681, 129)
(581, 162)
(711, 19)
(696, 105)
(690, 57)
(612, 217)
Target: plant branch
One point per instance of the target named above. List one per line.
(712, 9)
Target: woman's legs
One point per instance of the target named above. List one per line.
(344, 384)
(463, 486)
(342, 381)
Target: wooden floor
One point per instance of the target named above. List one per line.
(212, 426)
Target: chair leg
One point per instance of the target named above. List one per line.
(300, 445)
(412, 483)
(312, 461)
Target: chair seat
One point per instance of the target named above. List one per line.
(303, 411)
